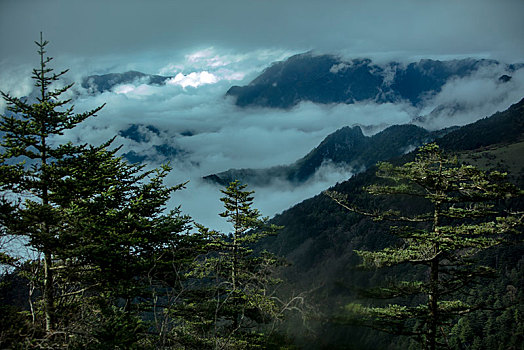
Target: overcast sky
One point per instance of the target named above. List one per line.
(406, 27)
(210, 45)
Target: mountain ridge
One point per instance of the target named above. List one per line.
(347, 146)
(329, 79)
(106, 82)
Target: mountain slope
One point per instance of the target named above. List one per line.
(330, 79)
(319, 237)
(350, 148)
(503, 126)
(347, 147)
(460, 140)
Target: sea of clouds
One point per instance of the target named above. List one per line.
(193, 115)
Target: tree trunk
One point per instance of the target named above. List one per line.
(49, 298)
(433, 278)
(433, 305)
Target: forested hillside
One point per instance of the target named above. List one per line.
(320, 238)
(347, 147)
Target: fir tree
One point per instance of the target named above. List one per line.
(121, 244)
(240, 297)
(109, 246)
(28, 159)
(467, 215)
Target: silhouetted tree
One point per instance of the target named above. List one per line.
(28, 159)
(99, 223)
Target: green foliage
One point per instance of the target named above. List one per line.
(29, 131)
(114, 268)
(16, 327)
(114, 329)
(109, 249)
(116, 225)
(237, 290)
(467, 216)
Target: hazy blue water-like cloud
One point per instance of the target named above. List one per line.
(464, 101)
(217, 135)
(214, 135)
(208, 46)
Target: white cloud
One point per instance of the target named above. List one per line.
(201, 198)
(170, 69)
(339, 67)
(135, 91)
(230, 75)
(14, 81)
(281, 195)
(194, 79)
(466, 100)
(200, 55)
(208, 58)
(223, 136)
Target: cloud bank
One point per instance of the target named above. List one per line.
(207, 46)
(464, 101)
(206, 133)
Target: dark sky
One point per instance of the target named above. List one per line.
(491, 28)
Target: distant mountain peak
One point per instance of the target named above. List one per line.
(106, 82)
(347, 146)
(330, 79)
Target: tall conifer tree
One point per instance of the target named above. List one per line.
(467, 215)
(239, 294)
(99, 223)
(28, 130)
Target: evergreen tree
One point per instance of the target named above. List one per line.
(468, 214)
(109, 248)
(240, 286)
(122, 246)
(28, 159)
(114, 219)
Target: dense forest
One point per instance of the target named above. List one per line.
(422, 252)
